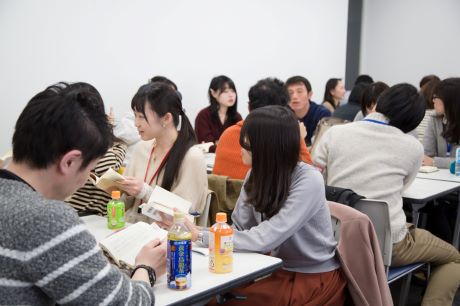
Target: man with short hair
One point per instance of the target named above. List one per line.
(268, 91)
(47, 256)
(307, 111)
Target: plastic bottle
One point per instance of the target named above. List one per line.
(179, 260)
(457, 162)
(221, 245)
(115, 212)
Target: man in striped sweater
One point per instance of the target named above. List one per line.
(46, 254)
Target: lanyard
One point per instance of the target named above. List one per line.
(163, 162)
(376, 121)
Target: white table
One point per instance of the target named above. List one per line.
(423, 190)
(247, 267)
(440, 175)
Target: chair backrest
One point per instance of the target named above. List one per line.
(203, 220)
(379, 214)
(335, 228)
(323, 125)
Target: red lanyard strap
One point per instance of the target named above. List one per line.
(163, 162)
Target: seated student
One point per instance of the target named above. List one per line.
(427, 91)
(91, 199)
(362, 78)
(228, 161)
(282, 209)
(333, 94)
(220, 114)
(369, 99)
(47, 256)
(442, 135)
(307, 111)
(166, 157)
(349, 110)
(387, 163)
(124, 128)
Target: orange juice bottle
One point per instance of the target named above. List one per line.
(221, 245)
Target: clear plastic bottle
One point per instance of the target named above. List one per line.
(221, 245)
(457, 162)
(179, 260)
(115, 211)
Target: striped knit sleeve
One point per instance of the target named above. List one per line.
(112, 159)
(62, 260)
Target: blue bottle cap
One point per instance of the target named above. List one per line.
(452, 168)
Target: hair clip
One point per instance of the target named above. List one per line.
(179, 125)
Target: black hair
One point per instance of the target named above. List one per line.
(428, 78)
(273, 135)
(162, 79)
(62, 118)
(371, 94)
(219, 84)
(162, 99)
(356, 93)
(403, 105)
(330, 85)
(268, 91)
(364, 78)
(298, 79)
(427, 91)
(448, 91)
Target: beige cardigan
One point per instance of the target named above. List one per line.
(191, 183)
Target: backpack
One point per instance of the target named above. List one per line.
(342, 195)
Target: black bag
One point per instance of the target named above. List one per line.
(342, 195)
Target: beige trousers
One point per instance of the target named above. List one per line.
(422, 246)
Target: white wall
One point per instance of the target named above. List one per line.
(402, 41)
(116, 45)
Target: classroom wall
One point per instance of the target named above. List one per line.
(404, 40)
(117, 45)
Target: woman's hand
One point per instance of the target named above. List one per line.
(427, 161)
(131, 185)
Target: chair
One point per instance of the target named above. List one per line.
(227, 191)
(378, 213)
(203, 220)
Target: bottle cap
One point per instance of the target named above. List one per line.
(221, 217)
(116, 194)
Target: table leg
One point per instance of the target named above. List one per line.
(415, 212)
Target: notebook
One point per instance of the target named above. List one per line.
(107, 180)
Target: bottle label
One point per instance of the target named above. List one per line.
(115, 214)
(179, 264)
(220, 253)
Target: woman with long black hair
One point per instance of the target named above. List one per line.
(282, 210)
(166, 156)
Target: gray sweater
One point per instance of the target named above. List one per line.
(435, 144)
(300, 233)
(47, 256)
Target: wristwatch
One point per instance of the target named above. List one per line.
(150, 271)
(200, 236)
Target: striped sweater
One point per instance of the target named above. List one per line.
(47, 256)
(89, 197)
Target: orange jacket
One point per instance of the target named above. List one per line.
(228, 154)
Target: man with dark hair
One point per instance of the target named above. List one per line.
(307, 111)
(269, 91)
(47, 256)
(377, 159)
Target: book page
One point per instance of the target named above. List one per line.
(204, 147)
(107, 180)
(124, 245)
(168, 200)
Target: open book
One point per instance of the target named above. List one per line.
(123, 246)
(165, 201)
(107, 180)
